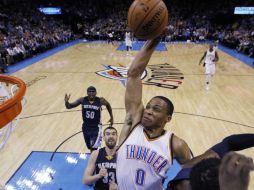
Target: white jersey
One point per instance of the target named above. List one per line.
(128, 39)
(142, 163)
(210, 57)
(3, 91)
(4, 95)
(110, 35)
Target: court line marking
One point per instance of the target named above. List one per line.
(92, 72)
(183, 113)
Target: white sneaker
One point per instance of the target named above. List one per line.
(207, 87)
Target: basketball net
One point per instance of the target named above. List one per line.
(7, 91)
(12, 91)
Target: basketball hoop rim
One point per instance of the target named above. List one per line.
(13, 102)
(17, 97)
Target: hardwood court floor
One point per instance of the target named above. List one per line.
(201, 117)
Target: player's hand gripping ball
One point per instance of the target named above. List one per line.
(147, 19)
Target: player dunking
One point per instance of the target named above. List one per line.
(91, 114)
(146, 149)
(211, 57)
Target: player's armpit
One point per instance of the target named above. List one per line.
(104, 101)
(129, 123)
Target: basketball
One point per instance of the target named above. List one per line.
(147, 18)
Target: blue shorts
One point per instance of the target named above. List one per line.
(90, 135)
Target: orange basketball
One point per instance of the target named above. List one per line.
(147, 18)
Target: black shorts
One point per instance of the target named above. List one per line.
(90, 135)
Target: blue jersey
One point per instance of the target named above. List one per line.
(91, 112)
(109, 163)
(183, 174)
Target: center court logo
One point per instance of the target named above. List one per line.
(162, 75)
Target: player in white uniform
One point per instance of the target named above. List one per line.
(128, 42)
(4, 95)
(211, 57)
(146, 149)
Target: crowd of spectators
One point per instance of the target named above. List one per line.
(25, 32)
(28, 32)
(194, 21)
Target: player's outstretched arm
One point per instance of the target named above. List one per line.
(133, 93)
(69, 105)
(230, 143)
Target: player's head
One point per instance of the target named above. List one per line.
(91, 92)
(211, 47)
(205, 175)
(157, 112)
(110, 137)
